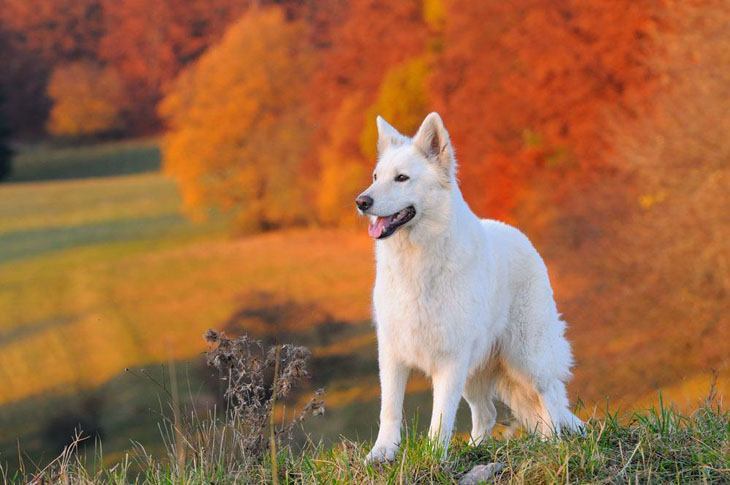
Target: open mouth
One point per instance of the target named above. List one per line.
(384, 227)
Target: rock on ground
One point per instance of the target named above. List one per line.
(481, 473)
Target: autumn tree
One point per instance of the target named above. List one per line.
(526, 87)
(86, 100)
(60, 30)
(402, 100)
(238, 130)
(147, 43)
(150, 41)
(371, 38)
(35, 35)
(647, 244)
(341, 171)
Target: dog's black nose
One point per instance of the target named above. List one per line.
(364, 202)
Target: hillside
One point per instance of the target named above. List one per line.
(99, 272)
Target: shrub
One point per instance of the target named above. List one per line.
(256, 379)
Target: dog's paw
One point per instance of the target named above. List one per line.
(380, 454)
(573, 425)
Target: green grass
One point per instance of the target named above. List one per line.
(657, 446)
(74, 203)
(47, 161)
(55, 189)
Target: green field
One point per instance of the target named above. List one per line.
(63, 213)
(48, 161)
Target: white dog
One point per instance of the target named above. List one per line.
(467, 301)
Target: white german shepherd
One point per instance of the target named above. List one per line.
(466, 300)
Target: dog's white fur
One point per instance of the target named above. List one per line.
(467, 301)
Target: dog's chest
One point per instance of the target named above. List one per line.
(423, 312)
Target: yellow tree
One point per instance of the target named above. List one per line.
(402, 100)
(238, 131)
(86, 99)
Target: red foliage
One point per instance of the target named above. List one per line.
(34, 36)
(149, 42)
(371, 37)
(528, 84)
(60, 30)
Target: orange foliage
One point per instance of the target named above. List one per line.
(341, 174)
(237, 127)
(402, 98)
(526, 87)
(86, 99)
(658, 276)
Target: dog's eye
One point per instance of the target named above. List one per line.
(375, 176)
(401, 177)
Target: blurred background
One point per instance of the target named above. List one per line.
(170, 166)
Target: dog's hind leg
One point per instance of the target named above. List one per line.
(527, 404)
(478, 394)
(556, 400)
(506, 419)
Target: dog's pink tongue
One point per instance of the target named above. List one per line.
(376, 228)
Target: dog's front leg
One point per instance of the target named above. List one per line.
(448, 386)
(393, 379)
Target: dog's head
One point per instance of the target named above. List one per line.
(411, 180)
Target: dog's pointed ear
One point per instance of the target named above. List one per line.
(432, 140)
(387, 135)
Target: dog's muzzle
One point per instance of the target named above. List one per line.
(384, 227)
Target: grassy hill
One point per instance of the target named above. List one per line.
(658, 446)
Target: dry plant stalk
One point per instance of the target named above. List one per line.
(258, 378)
